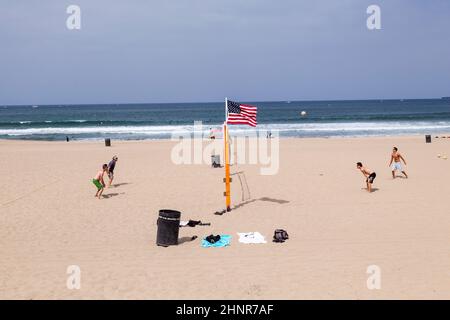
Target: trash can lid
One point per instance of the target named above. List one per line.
(168, 213)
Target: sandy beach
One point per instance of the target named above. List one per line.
(49, 220)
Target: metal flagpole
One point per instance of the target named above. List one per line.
(227, 179)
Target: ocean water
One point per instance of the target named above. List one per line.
(161, 121)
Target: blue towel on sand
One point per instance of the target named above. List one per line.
(223, 242)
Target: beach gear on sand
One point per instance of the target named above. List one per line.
(251, 237)
(216, 241)
(215, 161)
(280, 236)
(97, 184)
(168, 227)
(212, 238)
(183, 223)
(193, 223)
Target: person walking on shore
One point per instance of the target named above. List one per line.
(396, 163)
(370, 176)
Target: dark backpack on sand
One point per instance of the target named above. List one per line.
(280, 235)
(212, 238)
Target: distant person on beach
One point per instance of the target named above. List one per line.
(397, 159)
(99, 182)
(212, 135)
(370, 176)
(111, 167)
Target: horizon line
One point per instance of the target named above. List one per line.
(205, 102)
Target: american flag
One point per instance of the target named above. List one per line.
(241, 113)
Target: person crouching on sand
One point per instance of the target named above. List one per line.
(111, 167)
(99, 182)
(370, 176)
(397, 158)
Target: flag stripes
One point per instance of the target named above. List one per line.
(241, 114)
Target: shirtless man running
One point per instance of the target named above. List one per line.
(396, 157)
(370, 176)
(99, 182)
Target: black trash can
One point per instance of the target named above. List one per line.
(428, 138)
(168, 227)
(107, 142)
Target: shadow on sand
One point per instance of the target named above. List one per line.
(266, 199)
(373, 189)
(401, 177)
(110, 195)
(119, 184)
(186, 239)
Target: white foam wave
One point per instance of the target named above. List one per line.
(306, 128)
(152, 130)
(358, 126)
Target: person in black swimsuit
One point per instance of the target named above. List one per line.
(370, 176)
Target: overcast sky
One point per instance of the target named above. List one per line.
(203, 50)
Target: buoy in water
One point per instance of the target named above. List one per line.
(303, 113)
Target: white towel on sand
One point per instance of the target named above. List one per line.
(251, 237)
